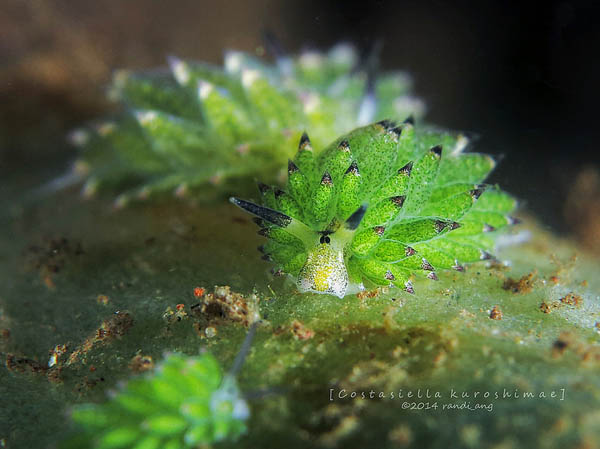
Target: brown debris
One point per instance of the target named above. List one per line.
(225, 305)
(140, 363)
(496, 313)
(375, 374)
(572, 299)
(589, 353)
(297, 329)
(87, 384)
(24, 365)
(561, 344)
(50, 257)
(399, 351)
(548, 307)
(389, 317)
(440, 358)
(54, 375)
(210, 332)
(564, 268)
(401, 436)
(279, 330)
(466, 314)
(172, 316)
(114, 327)
(102, 299)
(56, 353)
(300, 331)
(496, 265)
(522, 285)
(582, 208)
(5, 331)
(347, 425)
(371, 293)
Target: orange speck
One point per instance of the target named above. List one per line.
(103, 299)
(49, 282)
(198, 292)
(496, 313)
(92, 368)
(554, 279)
(572, 299)
(180, 307)
(301, 332)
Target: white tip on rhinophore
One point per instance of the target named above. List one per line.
(249, 77)
(89, 188)
(204, 89)
(240, 410)
(79, 137)
(120, 202)
(120, 77)
(311, 59)
(366, 112)
(409, 104)
(461, 143)
(181, 191)
(286, 66)
(104, 129)
(143, 193)
(145, 117)
(343, 53)
(310, 102)
(504, 241)
(179, 69)
(233, 61)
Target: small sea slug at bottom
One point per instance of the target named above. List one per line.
(186, 403)
(380, 206)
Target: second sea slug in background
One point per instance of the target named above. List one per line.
(199, 125)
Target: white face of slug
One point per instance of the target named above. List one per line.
(324, 271)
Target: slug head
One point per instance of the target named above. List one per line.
(325, 270)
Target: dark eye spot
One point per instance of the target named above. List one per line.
(325, 239)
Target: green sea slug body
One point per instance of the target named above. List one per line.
(379, 206)
(187, 402)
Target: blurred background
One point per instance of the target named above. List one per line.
(520, 77)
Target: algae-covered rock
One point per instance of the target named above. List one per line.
(504, 354)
